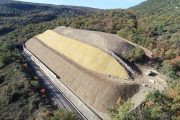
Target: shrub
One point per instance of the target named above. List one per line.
(62, 114)
(35, 78)
(42, 91)
(33, 103)
(122, 111)
(173, 93)
(23, 93)
(48, 113)
(49, 106)
(25, 65)
(20, 85)
(169, 71)
(35, 84)
(135, 55)
(19, 116)
(1, 64)
(17, 60)
(20, 104)
(43, 96)
(20, 41)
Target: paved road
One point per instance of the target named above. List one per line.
(53, 92)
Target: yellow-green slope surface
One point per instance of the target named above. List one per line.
(86, 55)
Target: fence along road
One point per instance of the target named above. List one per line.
(53, 92)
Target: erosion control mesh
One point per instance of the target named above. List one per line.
(86, 55)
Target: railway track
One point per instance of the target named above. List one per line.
(56, 95)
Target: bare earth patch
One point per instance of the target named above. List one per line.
(160, 83)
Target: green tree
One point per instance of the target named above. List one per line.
(160, 27)
(122, 112)
(169, 71)
(62, 114)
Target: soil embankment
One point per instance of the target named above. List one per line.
(98, 91)
(104, 41)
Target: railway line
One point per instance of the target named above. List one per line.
(56, 95)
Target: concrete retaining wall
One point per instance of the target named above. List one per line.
(82, 107)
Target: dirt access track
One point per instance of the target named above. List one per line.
(159, 78)
(142, 78)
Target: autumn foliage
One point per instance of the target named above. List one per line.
(36, 78)
(150, 103)
(25, 65)
(173, 93)
(48, 113)
(120, 101)
(20, 41)
(42, 91)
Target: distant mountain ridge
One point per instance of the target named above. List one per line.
(15, 13)
(158, 6)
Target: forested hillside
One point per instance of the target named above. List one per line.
(14, 13)
(158, 7)
(154, 24)
(21, 96)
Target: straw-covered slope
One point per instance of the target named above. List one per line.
(98, 91)
(86, 55)
(97, 39)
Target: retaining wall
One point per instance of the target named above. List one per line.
(89, 114)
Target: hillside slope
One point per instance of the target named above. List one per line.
(158, 7)
(15, 13)
(19, 93)
(148, 24)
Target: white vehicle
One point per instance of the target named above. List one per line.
(148, 72)
(152, 81)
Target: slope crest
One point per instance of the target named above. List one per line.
(104, 41)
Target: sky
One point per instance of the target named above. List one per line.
(102, 4)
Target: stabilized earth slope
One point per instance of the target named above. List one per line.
(104, 41)
(86, 55)
(96, 90)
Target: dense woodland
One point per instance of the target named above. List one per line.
(14, 14)
(21, 95)
(154, 24)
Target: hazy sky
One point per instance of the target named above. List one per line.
(103, 4)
